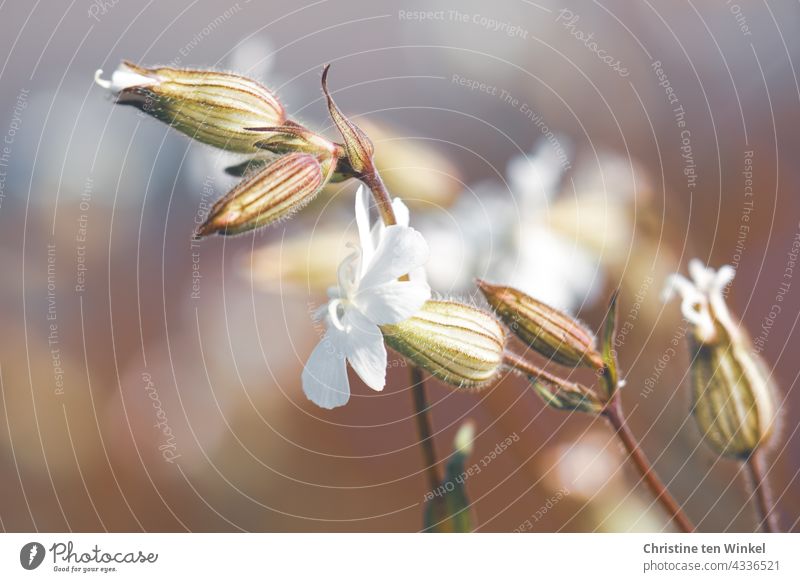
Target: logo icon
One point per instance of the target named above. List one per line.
(31, 555)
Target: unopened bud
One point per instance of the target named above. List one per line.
(456, 343)
(553, 333)
(211, 107)
(358, 147)
(279, 189)
(732, 397)
(732, 392)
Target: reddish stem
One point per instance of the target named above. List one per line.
(424, 427)
(613, 413)
(762, 501)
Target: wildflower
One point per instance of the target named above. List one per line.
(507, 233)
(732, 389)
(370, 294)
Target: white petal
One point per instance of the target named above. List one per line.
(401, 213)
(122, 78)
(400, 251)
(362, 222)
(392, 302)
(325, 374)
(365, 349)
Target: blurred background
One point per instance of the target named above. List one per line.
(152, 382)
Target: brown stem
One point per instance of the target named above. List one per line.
(762, 501)
(384, 201)
(614, 415)
(517, 362)
(424, 427)
(381, 195)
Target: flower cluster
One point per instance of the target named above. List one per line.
(382, 296)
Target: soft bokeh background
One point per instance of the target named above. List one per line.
(114, 321)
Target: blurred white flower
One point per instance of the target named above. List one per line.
(509, 239)
(369, 294)
(702, 300)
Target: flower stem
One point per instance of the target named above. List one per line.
(613, 413)
(381, 195)
(762, 501)
(424, 427)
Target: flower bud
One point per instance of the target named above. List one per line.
(732, 397)
(211, 107)
(358, 147)
(553, 333)
(732, 392)
(456, 343)
(281, 188)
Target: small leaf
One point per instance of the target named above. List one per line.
(611, 369)
(448, 510)
(567, 396)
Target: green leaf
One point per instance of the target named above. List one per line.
(448, 510)
(611, 369)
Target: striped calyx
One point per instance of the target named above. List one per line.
(552, 333)
(211, 107)
(279, 189)
(732, 396)
(456, 343)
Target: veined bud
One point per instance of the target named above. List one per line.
(211, 107)
(456, 343)
(357, 145)
(279, 189)
(732, 392)
(553, 333)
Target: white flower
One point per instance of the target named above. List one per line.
(702, 301)
(512, 240)
(370, 294)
